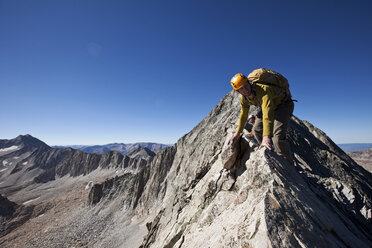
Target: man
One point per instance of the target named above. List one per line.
(270, 91)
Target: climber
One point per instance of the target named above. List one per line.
(270, 91)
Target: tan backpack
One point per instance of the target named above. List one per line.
(269, 77)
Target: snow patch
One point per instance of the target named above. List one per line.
(5, 162)
(26, 202)
(4, 169)
(89, 185)
(307, 141)
(24, 163)
(8, 149)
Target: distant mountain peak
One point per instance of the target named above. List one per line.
(121, 147)
(141, 152)
(29, 140)
(22, 141)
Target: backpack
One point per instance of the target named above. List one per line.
(272, 78)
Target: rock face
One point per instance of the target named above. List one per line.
(184, 197)
(133, 183)
(13, 215)
(7, 207)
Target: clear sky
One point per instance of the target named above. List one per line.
(97, 72)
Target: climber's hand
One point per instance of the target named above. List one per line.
(236, 136)
(266, 142)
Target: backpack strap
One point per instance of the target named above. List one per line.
(266, 83)
(277, 85)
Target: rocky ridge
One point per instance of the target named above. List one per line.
(324, 201)
(39, 180)
(26, 160)
(185, 198)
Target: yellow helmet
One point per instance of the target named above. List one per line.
(238, 81)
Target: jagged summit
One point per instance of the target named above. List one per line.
(324, 201)
(29, 140)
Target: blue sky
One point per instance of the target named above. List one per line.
(97, 72)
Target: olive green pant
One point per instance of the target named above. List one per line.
(282, 116)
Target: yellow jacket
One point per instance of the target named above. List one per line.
(268, 98)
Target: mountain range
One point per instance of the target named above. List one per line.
(352, 147)
(183, 196)
(119, 147)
